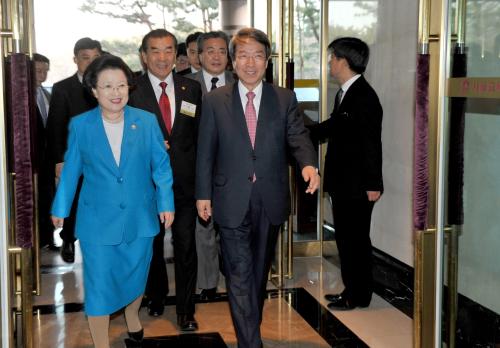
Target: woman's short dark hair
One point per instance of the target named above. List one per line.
(106, 62)
(249, 33)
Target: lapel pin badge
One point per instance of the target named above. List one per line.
(183, 88)
(133, 126)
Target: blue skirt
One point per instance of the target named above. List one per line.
(114, 275)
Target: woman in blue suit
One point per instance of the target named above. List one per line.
(127, 181)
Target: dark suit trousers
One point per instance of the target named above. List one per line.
(186, 261)
(352, 218)
(157, 284)
(247, 251)
(183, 232)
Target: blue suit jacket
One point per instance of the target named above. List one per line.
(117, 203)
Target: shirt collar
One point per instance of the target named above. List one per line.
(349, 82)
(207, 77)
(155, 81)
(243, 90)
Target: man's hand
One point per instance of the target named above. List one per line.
(57, 221)
(373, 196)
(58, 170)
(204, 207)
(310, 175)
(167, 218)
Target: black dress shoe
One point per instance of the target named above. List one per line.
(155, 308)
(187, 322)
(130, 343)
(332, 297)
(136, 336)
(341, 303)
(208, 294)
(68, 251)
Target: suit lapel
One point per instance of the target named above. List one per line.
(130, 129)
(180, 91)
(150, 103)
(102, 146)
(235, 109)
(350, 95)
(149, 95)
(267, 102)
(201, 80)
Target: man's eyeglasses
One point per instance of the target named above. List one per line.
(259, 57)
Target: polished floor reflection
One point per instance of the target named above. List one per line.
(295, 316)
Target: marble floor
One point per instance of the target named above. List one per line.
(295, 316)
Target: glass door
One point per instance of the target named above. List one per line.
(471, 183)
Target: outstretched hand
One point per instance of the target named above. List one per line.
(310, 175)
(204, 207)
(167, 218)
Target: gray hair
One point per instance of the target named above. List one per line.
(211, 35)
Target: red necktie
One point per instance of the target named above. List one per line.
(165, 107)
(251, 117)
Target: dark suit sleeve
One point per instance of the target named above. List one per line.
(298, 138)
(320, 132)
(57, 124)
(199, 107)
(207, 147)
(370, 127)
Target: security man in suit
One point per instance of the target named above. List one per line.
(175, 100)
(246, 132)
(212, 48)
(70, 98)
(353, 169)
(44, 165)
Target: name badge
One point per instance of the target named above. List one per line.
(188, 109)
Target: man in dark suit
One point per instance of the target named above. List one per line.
(182, 60)
(246, 132)
(192, 54)
(353, 169)
(175, 100)
(70, 98)
(45, 167)
(212, 48)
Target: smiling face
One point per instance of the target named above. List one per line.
(160, 56)
(250, 62)
(111, 91)
(214, 56)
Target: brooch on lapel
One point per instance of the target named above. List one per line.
(183, 88)
(133, 126)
